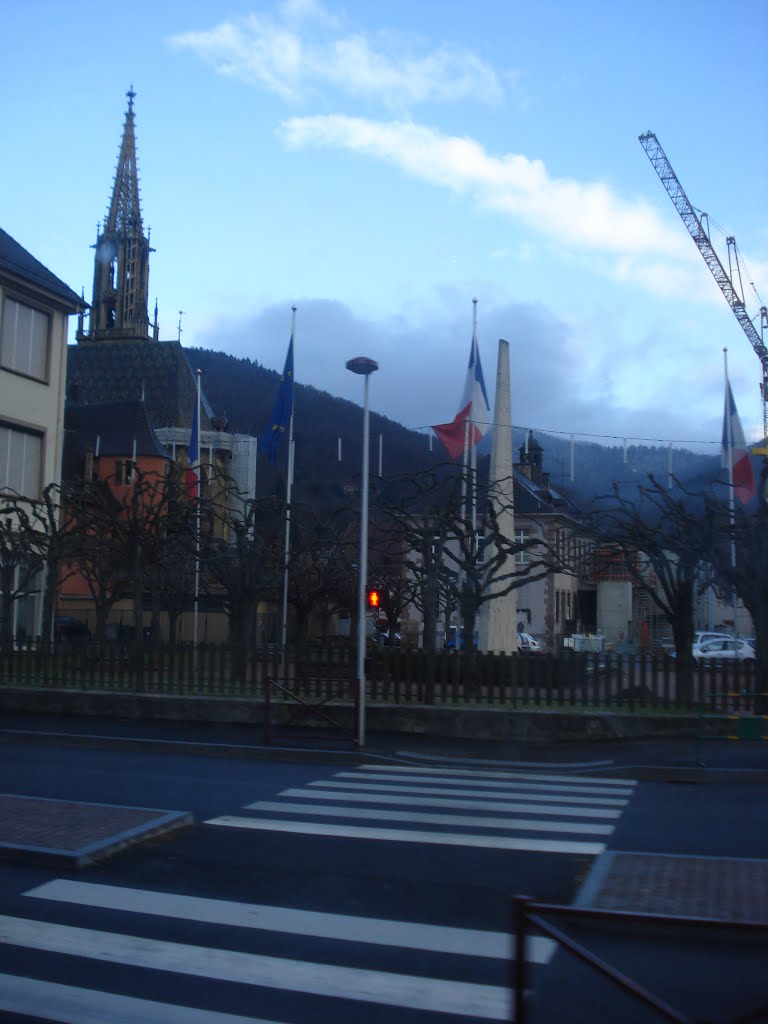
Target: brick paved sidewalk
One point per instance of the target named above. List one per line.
(75, 834)
(727, 889)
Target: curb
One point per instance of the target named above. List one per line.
(679, 774)
(37, 829)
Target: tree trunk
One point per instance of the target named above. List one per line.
(683, 634)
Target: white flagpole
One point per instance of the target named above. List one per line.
(473, 464)
(467, 484)
(729, 444)
(198, 471)
(288, 489)
(466, 494)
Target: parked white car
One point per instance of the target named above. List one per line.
(526, 644)
(702, 637)
(724, 649)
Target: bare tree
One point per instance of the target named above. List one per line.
(20, 563)
(243, 563)
(320, 571)
(659, 534)
(432, 518)
(99, 555)
(736, 543)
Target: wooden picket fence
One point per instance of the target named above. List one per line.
(568, 680)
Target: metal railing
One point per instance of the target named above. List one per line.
(330, 708)
(527, 915)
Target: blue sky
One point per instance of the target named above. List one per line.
(380, 166)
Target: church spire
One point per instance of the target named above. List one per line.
(121, 268)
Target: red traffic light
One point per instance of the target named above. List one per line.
(374, 599)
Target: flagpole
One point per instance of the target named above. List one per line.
(473, 464)
(197, 528)
(729, 444)
(288, 490)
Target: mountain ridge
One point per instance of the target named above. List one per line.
(328, 437)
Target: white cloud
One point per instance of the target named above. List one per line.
(578, 215)
(278, 53)
(565, 377)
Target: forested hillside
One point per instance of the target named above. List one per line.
(328, 430)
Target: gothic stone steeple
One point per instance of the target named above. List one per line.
(119, 310)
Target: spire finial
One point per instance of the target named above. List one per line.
(131, 96)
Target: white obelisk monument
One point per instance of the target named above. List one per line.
(497, 629)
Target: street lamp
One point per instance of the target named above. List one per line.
(365, 367)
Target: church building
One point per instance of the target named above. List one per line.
(119, 356)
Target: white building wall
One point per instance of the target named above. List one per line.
(614, 610)
(711, 612)
(242, 449)
(38, 404)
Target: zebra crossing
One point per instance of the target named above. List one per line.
(218, 961)
(450, 989)
(526, 809)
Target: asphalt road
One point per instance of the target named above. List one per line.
(314, 892)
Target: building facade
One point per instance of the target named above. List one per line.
(35, 307)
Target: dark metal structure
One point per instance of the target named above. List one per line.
(730, 283)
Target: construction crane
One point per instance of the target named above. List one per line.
(730, 283)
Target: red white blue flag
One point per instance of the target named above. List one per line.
(473, 419)
(735, 453)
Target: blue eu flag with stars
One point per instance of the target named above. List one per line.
(281, 414)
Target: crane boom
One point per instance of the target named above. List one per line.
(669, 180)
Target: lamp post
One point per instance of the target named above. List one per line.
(365, 367)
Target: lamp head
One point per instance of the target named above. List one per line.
(362, 365)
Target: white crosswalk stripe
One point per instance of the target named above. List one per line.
(348, 927)
(383, 787)
(69, 1004)
(487, 773)
(444, 995)
(353, 962)
(455, 803)
(438, 995)
(545, 812)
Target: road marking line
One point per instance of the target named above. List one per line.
(70, 1005)
(526, 824)
(481, 773)
(331, 980)
(380, 787)
(362, 796)
(408, 836)
(481, 784)
(373, 930)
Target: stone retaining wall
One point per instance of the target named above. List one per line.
(535, 726)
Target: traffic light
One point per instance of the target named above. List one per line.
(374, 599)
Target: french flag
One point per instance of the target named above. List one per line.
(473, 419)
(735, 453)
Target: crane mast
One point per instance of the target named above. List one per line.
(730, 284)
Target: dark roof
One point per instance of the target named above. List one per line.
(15, 260)
(532, 498)
(113, 371)
(112, 427)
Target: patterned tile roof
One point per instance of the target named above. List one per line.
(16, 261)
(113, 371)
(113, 427)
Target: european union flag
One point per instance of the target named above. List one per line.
(282, 412)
